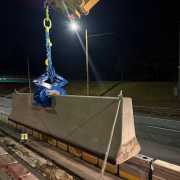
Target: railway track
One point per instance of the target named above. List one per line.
(41, 167)
(12, 157)
(138, 168)
(77, 168)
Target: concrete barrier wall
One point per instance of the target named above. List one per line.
(139, 167)
(83, 121)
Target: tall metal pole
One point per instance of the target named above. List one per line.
(87, 63)
(179, 62)
(29, 76)
(29, 80)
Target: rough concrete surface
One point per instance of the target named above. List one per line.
(83, 121)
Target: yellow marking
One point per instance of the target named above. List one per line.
(128, 176)
(47, 21)
(24, 136)
(77, 13)
(46, 62)
(89, 5)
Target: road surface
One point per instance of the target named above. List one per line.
(159, 138)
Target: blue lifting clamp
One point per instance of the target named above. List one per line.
(48, 83)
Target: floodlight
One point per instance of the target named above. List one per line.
(74, 26)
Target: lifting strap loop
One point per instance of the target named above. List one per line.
(56, 83)
(47, 21)
(47, 26)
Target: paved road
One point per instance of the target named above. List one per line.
(159, 138)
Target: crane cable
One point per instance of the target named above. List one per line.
(48, 25)
(48, 62)
(120, 97)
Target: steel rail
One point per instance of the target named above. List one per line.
(6, 130)
(3, 131)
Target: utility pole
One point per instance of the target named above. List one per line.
(87, 36)
(178, 85)
(29, 80)
(29, 76)
(87, 63)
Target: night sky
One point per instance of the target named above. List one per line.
(143, 44)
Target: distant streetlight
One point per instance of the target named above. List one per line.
(87, 63)
(87, 53)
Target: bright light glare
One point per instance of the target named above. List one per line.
(74, 26)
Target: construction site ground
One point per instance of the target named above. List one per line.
(157, 113)
(48, 155)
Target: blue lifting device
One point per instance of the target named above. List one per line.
(48, 83)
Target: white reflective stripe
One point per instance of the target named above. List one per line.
(46, 85)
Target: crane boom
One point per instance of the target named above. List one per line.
(76, 7)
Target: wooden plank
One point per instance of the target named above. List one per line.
(165, 170)
(62, 146)
(109, 167)
(75, 151)
(90, 158)
(52, 141)
(76, 166)
(137, 168)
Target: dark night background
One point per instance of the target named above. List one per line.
(143, 46)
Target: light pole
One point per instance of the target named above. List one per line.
(75, 27)
(87, 55)
(87, 63)
(178, 84)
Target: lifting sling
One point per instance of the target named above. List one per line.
(48, 83)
